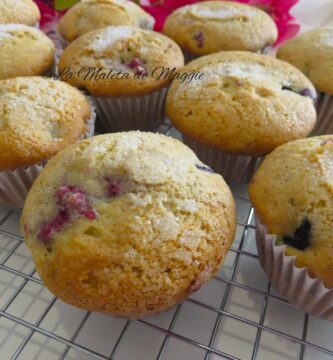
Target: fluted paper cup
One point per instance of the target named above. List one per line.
(131, 113)
(15, 184)
(324, 106)
(92, 119)
(64, 43)
(234, 169)
(292, 282)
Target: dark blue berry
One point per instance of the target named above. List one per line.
(204, 168)
(305, 92)
(287, 88)
(302, 236)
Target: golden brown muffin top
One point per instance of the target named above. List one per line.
(38, 117)
(245, 103)
(312, 53)
(292, 192)
(211, 26)
(25, 51)
(19, 12)
(128, 223)
(131, 52)
(89, 15)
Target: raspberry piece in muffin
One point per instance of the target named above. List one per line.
(71, 203)
(137, 66)
(199, 37)
(163, 227)
(113, 188)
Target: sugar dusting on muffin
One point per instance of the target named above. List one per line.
(223, 14)
(110, 37)
(128, 224)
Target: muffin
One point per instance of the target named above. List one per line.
(19, 12)
(212, 26)
(240, 107)
(38, 117)
(89, 15)
(25, 51)
(312, 53)
(126, 70)
(128, 224)
(292, 193)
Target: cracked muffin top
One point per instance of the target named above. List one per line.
(212, 26)
(19, 12)
(25, 51)
(292, 193)
(312, 53)
(139, 56)
(128, 223)
(88, 15)
(245, 103)
(38, 117)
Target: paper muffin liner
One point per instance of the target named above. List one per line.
(292, 282)
(188, 57)
(131, 113)
(92, 119)
(234, 169)
(64, 43)
(15, 184)
(324, 107)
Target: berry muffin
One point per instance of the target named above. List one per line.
(25, 51)
(38, 117)
(126, 71)
(89, 15)
(212, 26)
(19, 12)
(128, 223)
(243, 106)
(292, 193)
(312, 53)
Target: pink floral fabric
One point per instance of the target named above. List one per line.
(49, 20)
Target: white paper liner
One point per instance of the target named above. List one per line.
(64, 43)
(233, 168)
(15, 184)
(143, 113)
(92, 119)
(324, 106)
(292, 282)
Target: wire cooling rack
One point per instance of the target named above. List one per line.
(237, 315)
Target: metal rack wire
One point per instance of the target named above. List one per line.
(11, 245)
